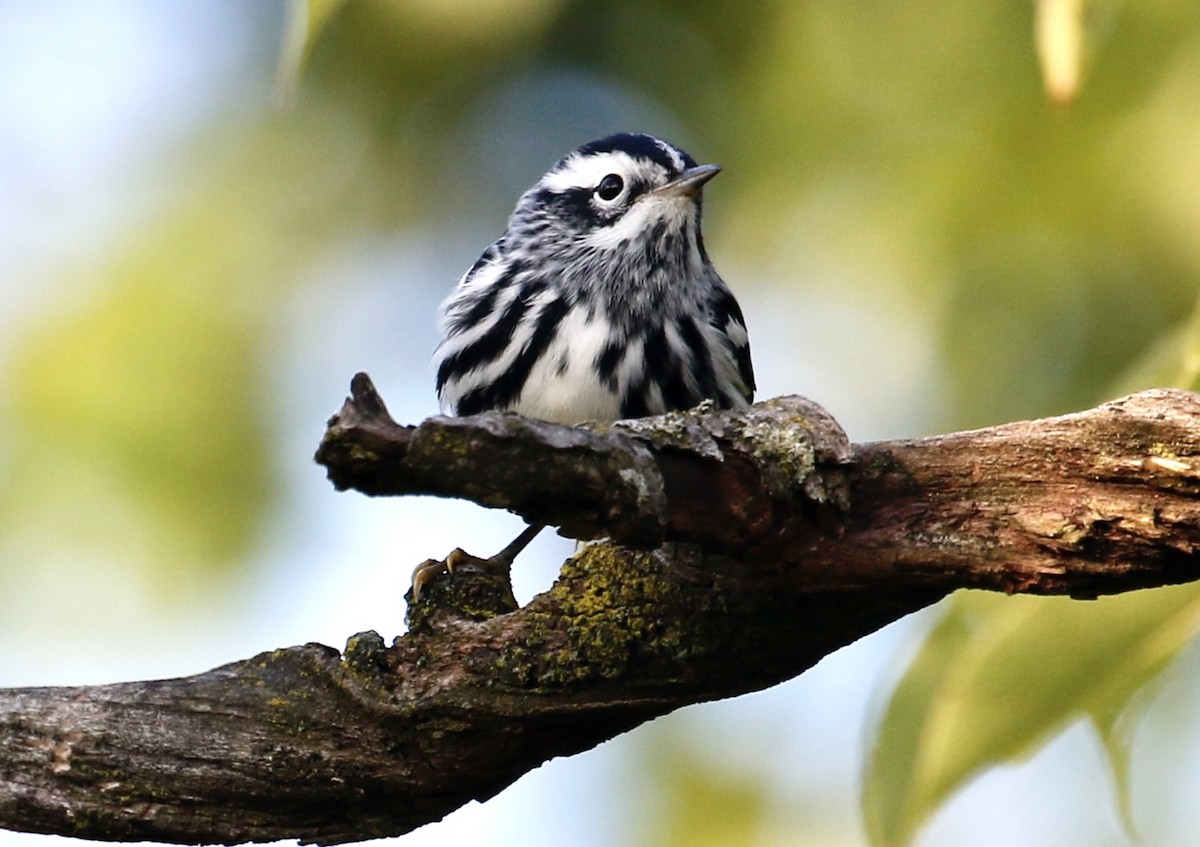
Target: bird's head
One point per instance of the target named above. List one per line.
(627, 202)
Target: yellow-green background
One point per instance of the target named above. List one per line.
(208, 223)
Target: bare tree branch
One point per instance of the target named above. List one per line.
(744, 548)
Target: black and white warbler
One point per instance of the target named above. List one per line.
(599, 302)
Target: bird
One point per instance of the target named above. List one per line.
(598, 303)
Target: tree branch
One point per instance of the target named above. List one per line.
(744, 548)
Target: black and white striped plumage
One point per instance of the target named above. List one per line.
(599, 302)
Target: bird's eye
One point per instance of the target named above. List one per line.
(610, 187)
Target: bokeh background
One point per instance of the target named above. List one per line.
(208, 224)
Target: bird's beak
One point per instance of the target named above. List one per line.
(688, 182)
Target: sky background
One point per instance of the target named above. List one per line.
(195, 259)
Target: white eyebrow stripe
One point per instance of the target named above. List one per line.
(587, 171)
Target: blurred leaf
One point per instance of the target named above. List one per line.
(306, 20)
(697, 800)
(1059, 33)
(1065, 35)
(997, 677)
(1117, 727)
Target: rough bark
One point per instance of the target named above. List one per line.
(743, 548)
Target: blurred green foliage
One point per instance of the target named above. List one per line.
(700, 805)
(994, 680)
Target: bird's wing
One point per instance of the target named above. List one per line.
(726, 315)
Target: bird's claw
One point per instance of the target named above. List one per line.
(431, 569)
(426, 572)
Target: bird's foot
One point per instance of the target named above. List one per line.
(431, 569)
